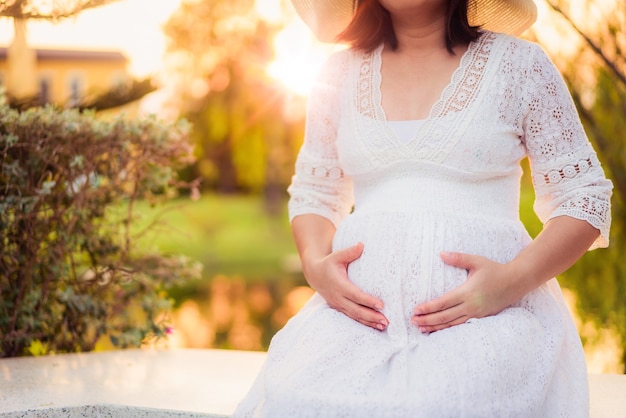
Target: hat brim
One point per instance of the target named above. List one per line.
(328, 18)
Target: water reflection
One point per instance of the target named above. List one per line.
(237, 314)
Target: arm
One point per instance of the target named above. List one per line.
(326, 271)
(560, 244)
(572, 200)
(321, 196)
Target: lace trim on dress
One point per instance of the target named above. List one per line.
(365, 98)
(466, 79)
(569, 171)
(594, 210)
(305, 168)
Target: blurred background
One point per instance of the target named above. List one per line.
(238, 72)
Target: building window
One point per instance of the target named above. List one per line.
(76, 88)
(44, 90)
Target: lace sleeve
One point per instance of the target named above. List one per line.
(567, 175)
(319, 185)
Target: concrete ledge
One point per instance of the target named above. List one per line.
(170, 384)
(102, 411)
(128, 383)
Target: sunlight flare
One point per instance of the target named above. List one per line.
(298, 57)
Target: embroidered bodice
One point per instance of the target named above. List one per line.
(506, 101)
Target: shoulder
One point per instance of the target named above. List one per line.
(520, 56)
(336, 63)
(348, 58)
(331, 75)
(341, 55)
(338, 69)
(514, 48)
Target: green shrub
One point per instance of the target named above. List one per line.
(70, 268)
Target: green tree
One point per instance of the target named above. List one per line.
(72, 268)
(221, 51)
(53, 9)
(599, 91)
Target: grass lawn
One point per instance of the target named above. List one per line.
(229, 234)
(234, 235)
(527, 198)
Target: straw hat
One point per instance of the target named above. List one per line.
(328, 18)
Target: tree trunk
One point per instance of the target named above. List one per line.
(22, 65)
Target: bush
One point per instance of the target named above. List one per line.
(70, 268)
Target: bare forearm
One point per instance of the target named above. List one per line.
(559, 245)
(313, 235)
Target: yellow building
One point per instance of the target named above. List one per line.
(66, 77)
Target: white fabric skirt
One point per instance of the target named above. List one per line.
(526, 361)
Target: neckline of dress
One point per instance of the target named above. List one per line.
(407, 121)
(404, 130)
(438, 106)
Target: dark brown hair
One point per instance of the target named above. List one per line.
(371, 26)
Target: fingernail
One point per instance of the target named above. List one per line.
(422, 329)
(378, 306)
(380, 327)
(418, 311)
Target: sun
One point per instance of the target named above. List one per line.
(298, 57)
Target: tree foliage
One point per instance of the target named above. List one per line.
(48, 9)
(118, 95)
(71, 268)
(221, 51)
(599, 91)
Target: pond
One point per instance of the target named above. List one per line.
(234, 313)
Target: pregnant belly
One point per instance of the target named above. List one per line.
(401, 261)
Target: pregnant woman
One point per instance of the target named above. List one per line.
(431, 298)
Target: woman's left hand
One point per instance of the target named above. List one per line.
(489, 289)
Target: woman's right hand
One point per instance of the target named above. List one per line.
(328, 276)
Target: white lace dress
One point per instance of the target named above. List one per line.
(453, 187)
